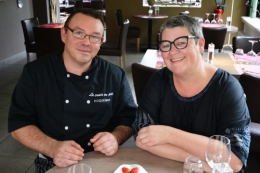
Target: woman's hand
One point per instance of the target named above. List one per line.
(154, 135)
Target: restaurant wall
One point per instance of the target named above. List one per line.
(129, 8)
(11, 34)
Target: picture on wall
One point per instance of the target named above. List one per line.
(174, 3)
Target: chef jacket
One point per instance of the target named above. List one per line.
(66, 106)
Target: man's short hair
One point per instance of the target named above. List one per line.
(88, 12)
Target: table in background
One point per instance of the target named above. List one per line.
(150, 23)
(231, 29)
(101, 163)
(67, 8)
(221, 60)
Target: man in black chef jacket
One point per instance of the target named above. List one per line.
(71, 102)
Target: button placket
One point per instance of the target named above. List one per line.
(70, 100)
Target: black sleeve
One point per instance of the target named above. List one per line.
(125, 106)
(234, 121)
(149, 106)
(22, 110)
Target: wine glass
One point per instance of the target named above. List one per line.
(218, 154)
(251, 52)
(220, 20)
(192, 164)
(207, 20)
(258, 52)
(214, 20)
(80, 168)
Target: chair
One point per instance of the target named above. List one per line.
(78, 4)
(48, 40)
(215, 35)
(251, 86)
(141, 75)
(29, 40)
(133, 31)
(120, 49)
(97, 4)
(241, 42)
(158, 39)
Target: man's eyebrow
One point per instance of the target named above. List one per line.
(78, 28)
(83, 30)
(97, 33)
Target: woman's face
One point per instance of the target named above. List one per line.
(182, 61)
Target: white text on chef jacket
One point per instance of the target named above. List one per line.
(102, 95)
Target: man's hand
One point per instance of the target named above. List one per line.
(105, 142)
(66, 153)
(153, 135)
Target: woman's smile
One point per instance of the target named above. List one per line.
(177, 59)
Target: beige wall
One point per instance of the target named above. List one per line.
(131, 7)
(11, 33)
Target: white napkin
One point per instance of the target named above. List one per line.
(140, 168)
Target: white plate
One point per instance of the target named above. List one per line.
(140, 168)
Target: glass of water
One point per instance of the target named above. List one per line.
(156, 10)
(80, 168)
(192, 164)
(218, 154)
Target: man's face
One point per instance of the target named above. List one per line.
(81, 51)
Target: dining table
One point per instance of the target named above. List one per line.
(230, 29)
(232, 63)
(101, 163)
(150, 19)
(66, 6)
